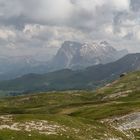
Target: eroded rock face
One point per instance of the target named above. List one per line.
(41, 126)
(128, 124)
(74, 54)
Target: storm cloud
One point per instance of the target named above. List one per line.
(40, 26)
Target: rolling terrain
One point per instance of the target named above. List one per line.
(66, 79)
(109, 113)
(72, 55)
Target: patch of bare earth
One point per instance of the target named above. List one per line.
(127, 124)
(41, 126)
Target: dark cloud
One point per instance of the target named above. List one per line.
(135, 5)
(28, 24)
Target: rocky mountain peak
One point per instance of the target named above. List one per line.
(74, 54)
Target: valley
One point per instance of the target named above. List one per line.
(89, 78)
(71, 55)
(109, 113)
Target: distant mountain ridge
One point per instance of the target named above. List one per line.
(66, 79)
(77, 55)
(71, 55)
(12, 67)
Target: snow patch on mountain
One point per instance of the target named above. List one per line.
(79, 55)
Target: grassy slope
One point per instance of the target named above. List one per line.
(80, 111)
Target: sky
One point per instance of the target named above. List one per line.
(38, 27)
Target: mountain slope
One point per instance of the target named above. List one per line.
(12, 67)
(71, 55)
(112, 112)
(78, 55)
(89, 78)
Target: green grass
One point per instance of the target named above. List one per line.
(80, 110)
(9, 135)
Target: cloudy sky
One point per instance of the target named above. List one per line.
(38, 27)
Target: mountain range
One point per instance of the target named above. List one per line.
(67, 79)
(72, 55)
(12, 67)
(77, 55)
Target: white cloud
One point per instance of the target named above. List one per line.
(121, 4)
(109, 29)
(10, 8)
(32, 30)
(92, 5)
(32, 24)
(6, 33)
(60, 9)
(89, 5)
